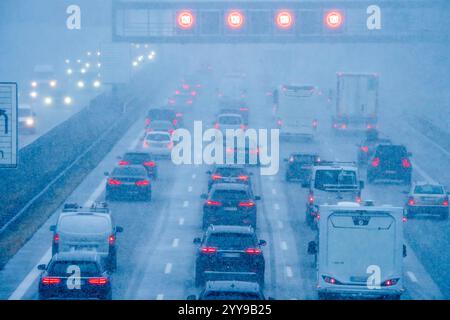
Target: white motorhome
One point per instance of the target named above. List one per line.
(297, 110)
(359, 252)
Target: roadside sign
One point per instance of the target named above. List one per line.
(8, 125)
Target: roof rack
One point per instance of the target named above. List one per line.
(99, 207)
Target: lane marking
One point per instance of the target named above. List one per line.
(289, 272)
(274, 191)
(136, 141)
(168, 268)
(175, 243)
(276, 206)
(25, 285)
(283, 245)
(280, 224)
(190, 189)
(185, 204)
(181, 221)
(411, 276)
(160, 297)
(446, 152)
(194, 176)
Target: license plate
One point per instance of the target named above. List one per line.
(230, 209)
(231, 255)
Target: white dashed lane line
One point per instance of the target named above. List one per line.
(289, 273)
(283, 245)
(168, 268)
(411, 276)
(181, 221)
(160, 297)
(185, 204)
(175, 243)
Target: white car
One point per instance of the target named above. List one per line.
(158, 143)
(427, 198)
(229, 121)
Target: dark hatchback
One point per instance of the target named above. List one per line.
(146, 159)
(128, 182)
(299, 166)
(390, 162)
(229, 253)
(230, 204)
(75, 275)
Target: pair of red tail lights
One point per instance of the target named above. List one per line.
(284, 19)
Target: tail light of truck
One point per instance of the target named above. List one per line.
(147, 121)
(406, 163)
(445, 202)
(279, 122)
(175, 122)
(376, 162)
(330, 280)
(311, 198)
(216, 126)
(358, 199)
(390, 282)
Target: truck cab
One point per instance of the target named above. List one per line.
(330, 183)
(359, 251)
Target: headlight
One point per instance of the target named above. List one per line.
(33, 94)
(69, 71)
(97, 84)
(80, 84)
(67, 100)
(48, 100)
(29, 122)
(34, 84)
(53, 83)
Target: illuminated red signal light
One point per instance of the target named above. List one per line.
(185, 20)
(235, 19)
(284, 20)
(334, 19)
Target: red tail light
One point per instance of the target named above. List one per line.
(315, 124)
(243, 127)
(170, 145)
(185, 86)
(213, 203)
(150, 164)
(175, 122)
(123, 163)
(171, 132)
(193, 93)
(114, 182)
(376, 162)
(216, 126)
(329, 280)
(51, 280)
(311, 198)
(177, 92)
(111, 240)
(253, 251)
(56, 238)
(148, 121)
(343, 126)
(98, 281)
(406, 163)
(142, 183)
(411, 202)
(369, 126)
(243, 178)
(358, 199)
(280, 122)
(390, 282)
(365, 149)
(243, 109)
(445, 202)
(209, 250)
(247, 204)
(216, 177)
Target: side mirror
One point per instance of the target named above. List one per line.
(197, 241)
(405, 252)
(42, 267)
(262, 243)
(204, 196)
(361, 184)
(191, 297)
(106, 173)
(52, 228)
(119, 229)
(312, 248)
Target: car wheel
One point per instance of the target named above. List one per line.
(199, 277)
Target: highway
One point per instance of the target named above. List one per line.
(156, 255)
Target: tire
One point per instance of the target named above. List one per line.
(199, 278)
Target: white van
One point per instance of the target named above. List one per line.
(359, 252)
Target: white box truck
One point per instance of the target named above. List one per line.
(359, 251)
(356, 102)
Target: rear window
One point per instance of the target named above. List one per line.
(127, 171)
(230, 195)
(161, 114)
(64, 268)
(304, 158)
(225, 295)
(136, 158)
(333, 178)
(86, 224)
(158, 137)
(391, 152)
(429, 189)
(231, 120)
(232, 241)
(230, 172)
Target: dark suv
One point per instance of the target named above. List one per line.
(229, 204)
(390, 162)
(299, 166)
(229, 253)
(75, 275)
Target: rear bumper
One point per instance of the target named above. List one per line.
(427, 209)
(360, 292)
(236, 276)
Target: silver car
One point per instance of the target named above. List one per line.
(428, 199)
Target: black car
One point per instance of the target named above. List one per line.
(75, 275)
(230, 204)
(299, 166)
(248, 154)
(229, 253)
(145, 159)
(228, 174)
(230, 290)
(390, 162)
(128, 181)
(228, 105)
(367, 148)
(164, 114)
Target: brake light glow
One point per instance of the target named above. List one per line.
(185, 86)
(365, 149)
(406, 163)
(150, 164)
(390, 282)
(343, 126)
(284, 20)
(98, 281)
(243, 178)
(213, 203)
(186, 20)
(216, 177)
(243, 127)
(56, 238)
(51, 280)
(311, 198)
(193, 93)
(111, 240)
(329, 280)
(445, 202)
(142, 183)
(247, 204)
(411, 202)
(209, 250)
(376, 162)
(114, 182)
(177, 92)
(334, 19)
(358, 200)
(147, 121)
(253, 251)
(315, 124)
(216, 125)
(123, 163)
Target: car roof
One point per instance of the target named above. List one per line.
(230, 186)
(233, 286)
(231, 229)
(77, 256)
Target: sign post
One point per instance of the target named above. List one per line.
(8, 125)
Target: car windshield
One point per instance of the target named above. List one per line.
(158, 137)
(334, 178)
(230, 120)
(231, 241)
(429, 189)
(129, 171)
(230, 295)
(66, 269)
(230, 195)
